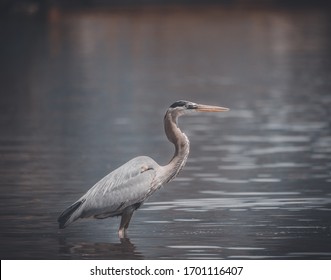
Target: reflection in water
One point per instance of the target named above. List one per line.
(124, 249)
(89, 92)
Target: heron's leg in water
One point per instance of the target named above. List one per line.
(125, 220)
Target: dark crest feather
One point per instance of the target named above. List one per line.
(185, 104)
(180, 103)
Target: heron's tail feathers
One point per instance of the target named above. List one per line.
(68, 216)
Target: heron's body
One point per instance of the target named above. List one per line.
(126, 188)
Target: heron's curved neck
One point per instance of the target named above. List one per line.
(182, 147)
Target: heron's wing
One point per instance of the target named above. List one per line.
(128, 185)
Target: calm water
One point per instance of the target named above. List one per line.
(82, 93)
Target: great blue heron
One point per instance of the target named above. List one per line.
(125, 189)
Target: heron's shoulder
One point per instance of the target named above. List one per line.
(142, 161)
(129, 170)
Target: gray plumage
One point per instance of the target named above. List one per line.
(125, 189)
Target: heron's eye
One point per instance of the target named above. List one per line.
(191, 106)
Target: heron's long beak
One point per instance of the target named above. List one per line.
(208, 108)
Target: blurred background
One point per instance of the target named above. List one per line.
(84, 88)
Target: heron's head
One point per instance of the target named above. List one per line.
(182, 107)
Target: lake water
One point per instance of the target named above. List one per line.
(83, 92)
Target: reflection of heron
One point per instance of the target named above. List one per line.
(99, 250)
(124, 190)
